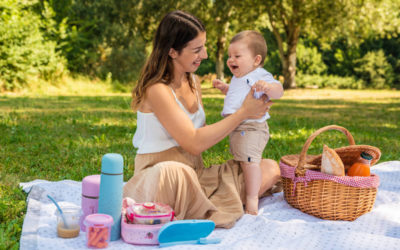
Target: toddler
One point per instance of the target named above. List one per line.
(247, 51)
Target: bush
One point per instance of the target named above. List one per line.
(24, 52)
(309, 60)
(375, 70)
(329, 81)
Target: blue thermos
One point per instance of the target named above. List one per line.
(110, 194)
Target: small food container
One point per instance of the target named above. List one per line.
(70, 227)
(139, 234)
(98, 230)
(149, 213)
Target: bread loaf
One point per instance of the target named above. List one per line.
(331, 162)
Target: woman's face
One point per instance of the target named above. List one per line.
(191, 56)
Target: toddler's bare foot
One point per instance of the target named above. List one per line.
(251, 205)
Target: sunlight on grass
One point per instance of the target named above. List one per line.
(62, 134)
(69, 86)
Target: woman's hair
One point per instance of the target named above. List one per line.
(255, 41)
(175, 30)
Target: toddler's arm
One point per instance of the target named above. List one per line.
(221, 86)
(272, 90)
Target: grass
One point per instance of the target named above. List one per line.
(57, 136)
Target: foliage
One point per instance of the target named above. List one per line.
(309, 60)
(25, 53)
(110, 39)
(272, 62)
(100, 38)
(328, 81)
(12, 211)
(374, 70)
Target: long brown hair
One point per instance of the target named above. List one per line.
(175, 30)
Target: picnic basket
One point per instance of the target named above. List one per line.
(326, 196)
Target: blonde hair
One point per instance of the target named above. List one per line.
(175, 31)
(255, 41)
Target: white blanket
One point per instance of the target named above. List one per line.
(278, 225)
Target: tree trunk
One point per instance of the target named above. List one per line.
(288, 57)
(289, 70)
(219, 64)
(223, 22)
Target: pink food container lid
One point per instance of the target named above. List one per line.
(151, 210)
(98, 220)
(91, 186)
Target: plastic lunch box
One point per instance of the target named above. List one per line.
(149, 213)
(148, 219)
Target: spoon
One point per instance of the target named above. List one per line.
(61, 212)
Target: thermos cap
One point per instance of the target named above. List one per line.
(112, 163)
(91, 186)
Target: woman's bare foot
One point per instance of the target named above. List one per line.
(251, 205)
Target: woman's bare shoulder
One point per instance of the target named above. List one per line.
(157, 92)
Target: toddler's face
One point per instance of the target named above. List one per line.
(241, 60)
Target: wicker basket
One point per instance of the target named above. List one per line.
(326, 196)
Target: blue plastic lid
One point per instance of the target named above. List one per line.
(112, 163)
(186, 232)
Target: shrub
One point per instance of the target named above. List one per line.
(309, 60)
(374, 70)
(24, 52)
(328, 81)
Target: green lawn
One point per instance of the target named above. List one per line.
(60, 137)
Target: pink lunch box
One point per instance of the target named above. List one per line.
(139, 234)
(148, 219)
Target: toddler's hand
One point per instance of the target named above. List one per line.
(220, 85)
(262, 86)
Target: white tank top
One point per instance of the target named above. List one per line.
(152, 137)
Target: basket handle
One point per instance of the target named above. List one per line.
(300, 170)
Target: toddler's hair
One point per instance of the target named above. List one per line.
(255, 42)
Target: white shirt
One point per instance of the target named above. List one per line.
(240, 87)
(152, 137)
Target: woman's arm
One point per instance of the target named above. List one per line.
(159, 97)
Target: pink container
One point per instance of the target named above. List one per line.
(149, 213)
(139, 234)
(98, 230)
(90, 197)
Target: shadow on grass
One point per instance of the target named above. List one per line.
(64, 137)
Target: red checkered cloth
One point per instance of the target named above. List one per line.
(310, 175)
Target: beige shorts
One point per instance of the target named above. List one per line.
(248, 140)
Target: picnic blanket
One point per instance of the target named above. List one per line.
(278, 225)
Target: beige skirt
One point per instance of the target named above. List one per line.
(179, 179)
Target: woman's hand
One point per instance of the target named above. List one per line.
(255, 108)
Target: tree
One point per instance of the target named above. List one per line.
(325, 20)
(288, 17)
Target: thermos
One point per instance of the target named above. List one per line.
(90, 197)
(111, 184)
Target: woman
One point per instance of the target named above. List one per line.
(171, 132)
